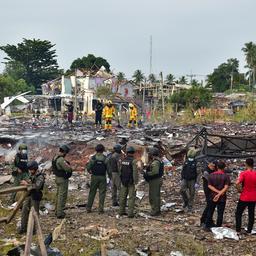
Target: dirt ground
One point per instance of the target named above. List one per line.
(174, 230)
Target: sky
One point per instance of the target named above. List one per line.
(188, 36)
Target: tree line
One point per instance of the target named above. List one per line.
(33, 62)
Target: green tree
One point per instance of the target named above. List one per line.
(33, 60)
(10, 87)
(196, 97)
(138, 76)
(195, 83)
(152, 78)
(90, 62)
(120, 77)
(220, 79)
(169, 79)
(183, 80)
(249, 50)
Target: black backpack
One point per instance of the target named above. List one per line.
(99, 168)
(189, 171)
(127, 171)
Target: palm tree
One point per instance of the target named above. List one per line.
(183, 80)
(120, 77)
(138, 77)
(250, 56)
(152, 78)
(169, 79)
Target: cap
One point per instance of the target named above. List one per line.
(100, 148)
(65, 148)
(154, 151)
(33, 165)
(130, 150)
(117, 148)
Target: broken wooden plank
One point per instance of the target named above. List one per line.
(13, 189)
(29, 236)
(39, 234)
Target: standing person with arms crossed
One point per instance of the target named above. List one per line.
(218, 183)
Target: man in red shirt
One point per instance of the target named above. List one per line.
(218, 183)
(247, 197)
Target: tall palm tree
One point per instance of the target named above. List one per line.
(183, 80)
(120, 77)
(250, 55)
(138, 77)
(169, 79)
(152, 78)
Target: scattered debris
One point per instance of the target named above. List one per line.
(222, 232)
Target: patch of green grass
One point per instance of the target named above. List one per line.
(189, 246)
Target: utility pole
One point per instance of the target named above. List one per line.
(162, 85)
(75, 117)
(231, 81)
(150, 56)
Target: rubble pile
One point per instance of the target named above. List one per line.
(175, 232)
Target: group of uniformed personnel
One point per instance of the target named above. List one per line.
(121, 167)
(108, 113)
(123, 172)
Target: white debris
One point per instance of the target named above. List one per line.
(49, 206)
(5, 178)
(100, 138)
(221, 232)
(167, 206)
(140, 194)
(177, 253)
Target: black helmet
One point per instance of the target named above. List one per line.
(64, 148)
(99, 148)
(117, 148)
(33, 165)
(130, 150)
(154, 151)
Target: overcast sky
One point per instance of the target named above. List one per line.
(188, 35)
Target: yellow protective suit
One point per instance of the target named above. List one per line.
(133, 116)
(108, 114)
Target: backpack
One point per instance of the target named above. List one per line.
(99, 167)
(189, 171)
(127, 171)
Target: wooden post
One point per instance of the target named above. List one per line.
(39, 233)
(103, 248)
(29, 233)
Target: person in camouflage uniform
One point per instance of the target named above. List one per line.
(114, 167)
(36, 182)
(129, 180)
(153, 176)
(20, 168)
(63, 171)
(98, 168)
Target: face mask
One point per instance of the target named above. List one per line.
(24, 152)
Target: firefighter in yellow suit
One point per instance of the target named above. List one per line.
(133, 116)
(108, 114)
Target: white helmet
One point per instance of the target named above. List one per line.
(131, 105)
